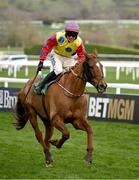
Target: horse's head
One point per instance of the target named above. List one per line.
(94, 72)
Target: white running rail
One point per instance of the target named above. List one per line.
(117, 86)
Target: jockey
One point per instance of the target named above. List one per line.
(62, 46)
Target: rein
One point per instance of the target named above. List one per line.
(67, 91)
(76, 75)
(70, 93)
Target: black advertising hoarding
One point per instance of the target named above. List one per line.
(8, 98)
(113, 107)
(110, 107)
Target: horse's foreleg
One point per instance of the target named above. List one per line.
(48, 134)
(83, 124)
(58, 123)
(38, 133)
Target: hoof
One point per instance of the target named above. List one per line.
(88, 159)
(53, 142)
(49, 159)
(49, 165)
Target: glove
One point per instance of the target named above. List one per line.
(77, 64)
(40, 66)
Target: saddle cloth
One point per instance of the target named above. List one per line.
(36, 84)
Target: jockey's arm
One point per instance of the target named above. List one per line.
(48, 46)
(80, 53)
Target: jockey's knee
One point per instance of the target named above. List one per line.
(58, 71)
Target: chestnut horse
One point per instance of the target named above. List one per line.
(64, 102)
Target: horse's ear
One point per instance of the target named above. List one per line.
(95, 54)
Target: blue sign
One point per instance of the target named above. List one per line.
(110, 107)
(8, 98)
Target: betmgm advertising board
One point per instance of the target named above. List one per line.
(113, 107)
(107, 107)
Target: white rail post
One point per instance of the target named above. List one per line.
(117, 72)
(118, 90)
(26, 71)
(15, 70)
(6, 84)
(133, 74)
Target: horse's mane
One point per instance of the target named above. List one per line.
(85, 64)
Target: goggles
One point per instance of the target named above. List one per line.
(71, 33)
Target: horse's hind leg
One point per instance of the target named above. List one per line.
(38, 133)
(83, 124)
(58, 123)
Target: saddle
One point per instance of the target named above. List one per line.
(47, 85)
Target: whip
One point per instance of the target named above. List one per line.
(31, 85)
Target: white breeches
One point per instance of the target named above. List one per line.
(61, 63)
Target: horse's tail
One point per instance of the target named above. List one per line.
(20, 112)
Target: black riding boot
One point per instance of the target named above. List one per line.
(50, 77)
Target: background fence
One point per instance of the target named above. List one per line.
(127, 63)
(117, 86)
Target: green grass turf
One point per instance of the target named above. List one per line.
(116, 152)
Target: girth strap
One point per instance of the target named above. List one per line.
(43, 103)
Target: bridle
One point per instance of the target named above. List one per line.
(79, 77)
(89, 77)
(87, 71)
(67, 92)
